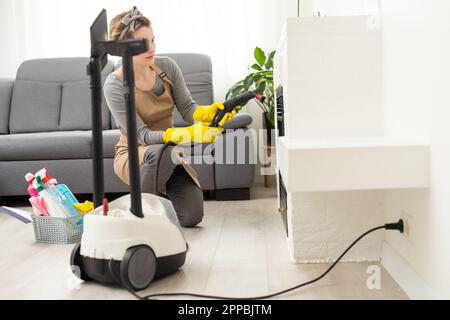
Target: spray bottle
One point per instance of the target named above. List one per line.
(37, 202)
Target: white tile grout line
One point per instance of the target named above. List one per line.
(266, 254)
(214, 254)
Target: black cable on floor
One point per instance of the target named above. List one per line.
(390, 226)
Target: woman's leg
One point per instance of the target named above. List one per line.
(186, 197)
(148, 168)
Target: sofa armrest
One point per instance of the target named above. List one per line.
(235, 158)
(6, 87)
(241, 120)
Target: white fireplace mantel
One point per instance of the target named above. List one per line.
(333, 154)
(338, 164)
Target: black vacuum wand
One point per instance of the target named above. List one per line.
(126, 49)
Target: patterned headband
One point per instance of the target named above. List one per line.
(130, 21)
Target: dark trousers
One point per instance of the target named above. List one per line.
(186, 196)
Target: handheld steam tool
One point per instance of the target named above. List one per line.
(232, 103)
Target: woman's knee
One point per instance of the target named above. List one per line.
(153, 153)
(191, 214)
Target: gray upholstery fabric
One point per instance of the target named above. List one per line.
(229, 176)
(57, 70)
(110, 139)
(235, 146)
(6, 86)
(220, 166)
(35, 106)
(240, 120)
(54, 145)
(234, 169)
(46, 145)
(75, 173)
(197, 72)
(53, 94)
(49, 110)
(76, 107)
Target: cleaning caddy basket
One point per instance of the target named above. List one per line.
(57, 230)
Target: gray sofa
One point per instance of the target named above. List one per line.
(45, 121)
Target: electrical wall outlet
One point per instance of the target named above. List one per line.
(407, 223)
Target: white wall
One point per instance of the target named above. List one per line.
(12, 48)
(338, 7)
(416, 53)
(227, 30)
(416, 104)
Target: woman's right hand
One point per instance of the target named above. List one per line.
(199, 132)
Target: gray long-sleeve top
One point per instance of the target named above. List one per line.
(114, 95)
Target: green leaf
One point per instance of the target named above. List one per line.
(248, 81)
(238, 84)
(269, 62)
(265, 73)
(260, 56)
(260, 88)
(234, 91)
(256, 67)
(260, 80)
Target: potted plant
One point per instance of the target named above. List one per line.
(260, 81)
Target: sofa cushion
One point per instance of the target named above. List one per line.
(56, 69)
(110, 139)
(76, 109)
(235, 147)
(6, 86)
(53, 94)
(46, 146)
(35, 106)
(197, 73)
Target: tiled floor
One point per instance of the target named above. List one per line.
(239, 249)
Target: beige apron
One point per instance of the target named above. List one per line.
(157, 114)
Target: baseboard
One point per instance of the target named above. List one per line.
(232, 194)
(406, 277)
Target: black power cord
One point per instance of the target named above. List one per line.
(389, 226)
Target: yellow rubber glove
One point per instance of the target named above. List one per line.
(199, 132)
(85, 207)
(207, 113)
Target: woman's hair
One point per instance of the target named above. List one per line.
(123, 25)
